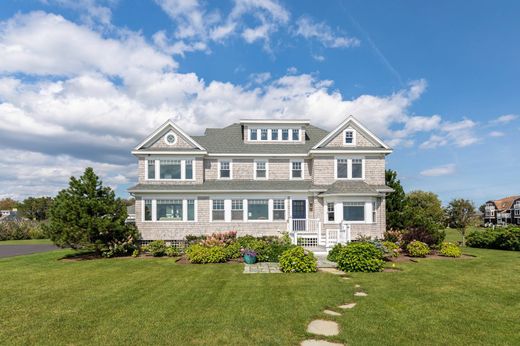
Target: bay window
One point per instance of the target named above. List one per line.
(258, 209)
(169, 210)
(354, 211)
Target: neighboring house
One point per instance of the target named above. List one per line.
(130, 210)
(503, 211)
(262, 177)
(9, 215)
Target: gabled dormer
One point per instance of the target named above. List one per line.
(257, 131)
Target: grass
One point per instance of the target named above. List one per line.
(25, 242)
(145, 301)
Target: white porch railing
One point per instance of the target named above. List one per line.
(308, 232)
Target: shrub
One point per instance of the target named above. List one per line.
(431, 238)
(172, 251)
(334, 252)
(393, 236)
(157, 248)
(507, 238)
(391, 249)
(450, 250)
(360, 257)
(220, 239)
(298, 260)
(197, 253)
(19, 230)
(418, 249)
(233, 250)
(135, 253)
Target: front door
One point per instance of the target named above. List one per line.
(299, 214)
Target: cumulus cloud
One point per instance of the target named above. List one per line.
(439, 171)
(459, 134)
(504, 119)
(306, 27)
(496, 134)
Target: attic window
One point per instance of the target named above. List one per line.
(349, 137)
(170, 138)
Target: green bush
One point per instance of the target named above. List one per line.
(268, 249)
(450, 250)
(334, 252)
(157, 248)
(418, 249)
(233, 250)
(507, 238)
(19, 230)
(172, 251)
(360, 257)
(197, 253)
(432, 238)
(391, 249)
(298, 260)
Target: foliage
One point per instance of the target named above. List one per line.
(450, 250)
(120, 247)
(233, 250)
(394, 201)
(360, 257)
(461, 214)
(18, 230)
(423, 210)
(87, 215)
(298, 260)
(156, 248)
(194, 239)
(35, 208)
(507, 238)
(334, 252)
(172, 251)
(391, 249)
(135, 253)
(417, 249)
(197, 253)
(268, 249)
(7, 204)
(394, 236)
(220, 239)
(432, 238)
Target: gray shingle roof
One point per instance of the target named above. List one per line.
(229, 140)
(355, 187)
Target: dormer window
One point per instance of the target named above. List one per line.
(285, 134)
(253, 135)
(295, 134)
(349, 137)
(263, 134)
(274, 134)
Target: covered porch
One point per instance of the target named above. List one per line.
(310, 234)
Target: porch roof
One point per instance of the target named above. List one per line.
(350, 188)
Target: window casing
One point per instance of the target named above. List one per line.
(374, 212)
(260, 169)
(218, 211)
(188, 170)
(263, 134)
(253, 135)
(258, 209)
(274, 134)
(147, 210)
(354, 211)
(278, 209)
(357, 168)
(285, 134)
(342, 168)
(349, 137)
(330, 212)
(296, 134)
(349, 168)
(151, 169)
(296, 169)
(169, 210)
(237, 210)
(191, 210)
(224, 169)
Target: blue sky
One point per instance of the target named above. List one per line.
(438, 80)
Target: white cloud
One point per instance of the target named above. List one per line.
(318, 57)
(439, 171)
(460, 134)
(321, 32)
(260, 78)
(504, 119)
(496, 134)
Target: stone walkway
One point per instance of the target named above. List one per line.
(262, 268)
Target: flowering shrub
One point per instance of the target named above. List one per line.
(393, 236)
(18, 230)
(157, 248)
(118, 248)
(391, 249)
(418, 249)
(298, 260)
(220, 239)
(450, 250)
(198, 253)
(360, 257)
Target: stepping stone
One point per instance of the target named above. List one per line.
(357, 286)
(360, 294)
(331, 271)
(332, 313)
(319, 343)
(323, 327)
(347, 306)
(346, 278)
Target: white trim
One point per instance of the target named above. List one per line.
(259, 154)
(349, 167)
(183, 168)
(350, 119)
(230, 169)
(266, 169)
(174, 136)
(354, 137)
(291, 170)
(176, 128)
(348, 151)
(275, 121)
(145, 153)
(279, 130)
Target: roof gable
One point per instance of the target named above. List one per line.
(155, 140)
(364, 137)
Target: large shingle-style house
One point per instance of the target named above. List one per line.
(503, 211)
(262, 177)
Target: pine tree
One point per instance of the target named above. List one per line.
(394, 201)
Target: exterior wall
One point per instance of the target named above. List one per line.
(324, 170)
(161, 143)
(361, 139)
(197, 169)
(375, 170)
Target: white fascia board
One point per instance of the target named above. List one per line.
(349, 194)
(193, 153)
(175, 127)
(219, 191)
(349, 151)
(275, 121)
(252, 155)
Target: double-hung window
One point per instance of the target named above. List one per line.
(357, 168)
(225, 169)
(261, 169)
(191, 210)
(253, 134)
(349, 137)
(278, 209)
(354, 211)
(147, 210)
(285, 134)
(169, 210)
(237, 209)
(274, 134)
(188, 169)
(170, 169)
(263, 134)
(258, 209)
(330, 212)
(151, 169)
(374, 212)
(296, 169)
(295, 134)
(342, 168)
(218, 212)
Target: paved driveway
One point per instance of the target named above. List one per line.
(16, 250)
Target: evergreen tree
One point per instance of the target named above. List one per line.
(394, 201)
(88, 215)
(35, 208)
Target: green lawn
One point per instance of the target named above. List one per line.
(157, 301)
(25, 242)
